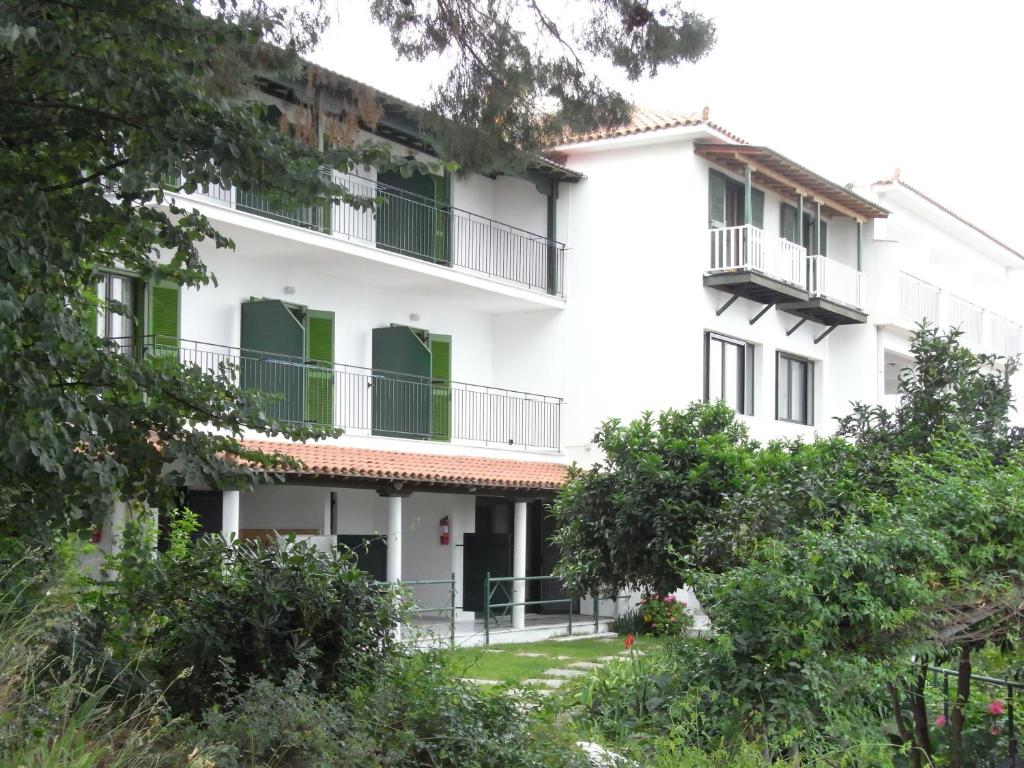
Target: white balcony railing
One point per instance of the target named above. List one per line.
(831, 280)
(969, 318)
(983, 331)
(919, 301)
(749, 248)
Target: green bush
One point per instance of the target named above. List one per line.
(415, 713)
(227, 614)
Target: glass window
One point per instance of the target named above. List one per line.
(794, 389)
(116, 320)
(728, 372)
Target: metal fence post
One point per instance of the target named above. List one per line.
(597, 623)
(487, 608)
(570, 615)
(452, 613)
(1010, 725)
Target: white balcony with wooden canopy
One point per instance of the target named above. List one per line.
(792, 270)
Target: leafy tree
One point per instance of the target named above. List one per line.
(827, 567)
(621, 523)
(105, 102)
(518, 75)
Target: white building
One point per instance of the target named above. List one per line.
(473, 333)
(708, 288)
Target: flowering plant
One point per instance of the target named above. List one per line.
(664, 615)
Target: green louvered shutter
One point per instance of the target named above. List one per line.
(441, 387)
(757, 204)
(320, 368)
(824, 239)
(716, 199)
(164, 318)
(788, 226)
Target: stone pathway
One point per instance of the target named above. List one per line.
(556, 677)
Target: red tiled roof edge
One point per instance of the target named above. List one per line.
(898, 181)
(645, 120)
(347, 463)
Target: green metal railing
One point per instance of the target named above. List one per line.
(448, 608)
(492, 584)
(1010, 686)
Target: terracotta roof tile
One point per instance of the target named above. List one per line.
(644, 120)
(344, 463)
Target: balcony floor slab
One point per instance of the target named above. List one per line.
(824, 311)
(755, 286)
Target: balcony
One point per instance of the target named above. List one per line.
(747, 261)
(419, 228)
(365, 401)
(983, 330)
(836, 294)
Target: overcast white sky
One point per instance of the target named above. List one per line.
(851, 90)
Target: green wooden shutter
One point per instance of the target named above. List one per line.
(164, 326)
(441, 387)
(716, 199)
(319, 367)
(787, 221)
(757, 203)
(824, 239)
(401, 382)
(273, 347)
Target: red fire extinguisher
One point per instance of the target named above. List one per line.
(445, 530)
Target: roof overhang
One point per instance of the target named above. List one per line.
(327, 464)
(790, 179)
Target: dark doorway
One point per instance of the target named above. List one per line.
(371, 553)
(541, 558)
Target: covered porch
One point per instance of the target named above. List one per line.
(467, 536)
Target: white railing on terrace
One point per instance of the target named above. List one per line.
(1004, 336)
(417, 227)
(919, 301)
(969, 318)
(983, 330)
(831, 280)
(750, 248)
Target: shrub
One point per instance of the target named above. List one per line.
(664, 616)
(228, 614)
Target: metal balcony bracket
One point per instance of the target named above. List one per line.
(800, 322)
(761, 314)
(826, 332)
(729, 303)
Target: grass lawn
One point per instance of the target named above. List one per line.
(504, 664)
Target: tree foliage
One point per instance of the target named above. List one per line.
(521, 75)
(826, 567)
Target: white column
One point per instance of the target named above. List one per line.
(519, 565)
(118, 520)
(394, 538)
(229, 522)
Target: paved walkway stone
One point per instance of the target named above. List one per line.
(564, 672)
(549, 682)
(584, 665)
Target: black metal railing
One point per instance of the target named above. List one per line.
(418, 227)
(997, 744)
(375, 402)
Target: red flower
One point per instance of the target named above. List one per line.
(940, 721)
(995, 707)
(630, 639)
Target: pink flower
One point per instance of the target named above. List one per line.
(940, 721)
(995, 707)
(995, 730)
(669, 599)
